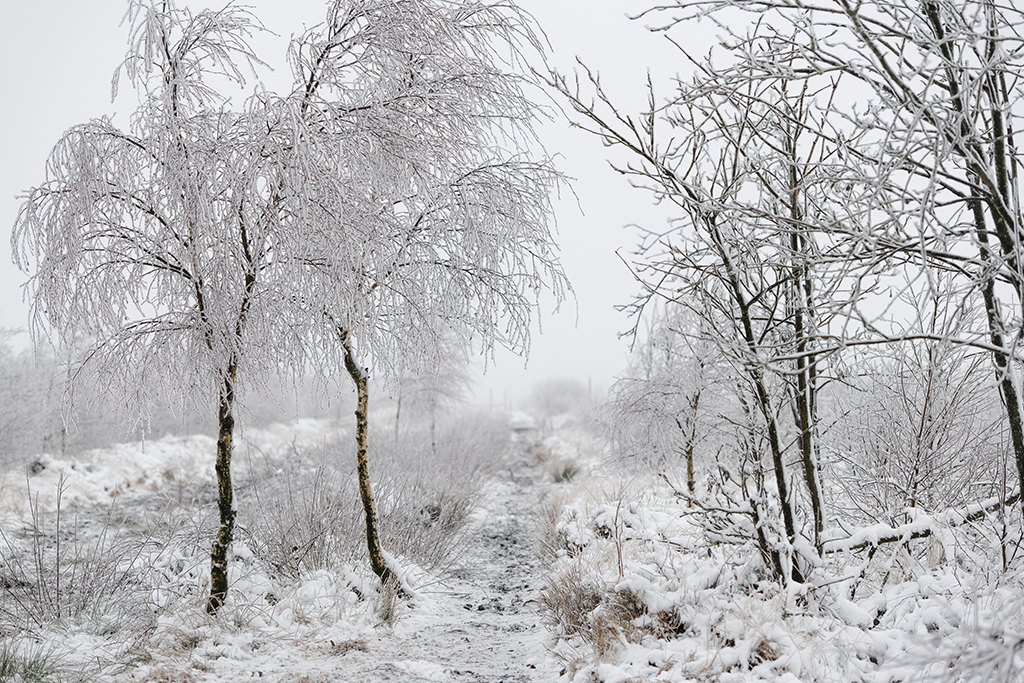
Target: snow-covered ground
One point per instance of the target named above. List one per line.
(477, 621)
(571, 569)
(641, 592)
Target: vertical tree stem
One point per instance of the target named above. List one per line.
(377, 563)
(225, 495)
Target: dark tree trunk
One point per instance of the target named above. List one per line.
(225, 496)
(691, 485)
(1000, 203)
(761, 395)
(801, 301)
(756, 376)
(689, 430)
(359, 378)
(805, 391)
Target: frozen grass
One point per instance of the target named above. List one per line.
(639, 589)
(62, 567)
(22, 660)
(306, 513)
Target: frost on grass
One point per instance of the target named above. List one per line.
(639, 590)
(105, 581)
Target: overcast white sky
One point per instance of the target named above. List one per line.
(56, 62)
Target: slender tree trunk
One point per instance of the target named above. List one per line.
(770, 554)
(1004, 369)
(805, 405)
(1003, 209)
(689, 430)
(225, 497)
(398, 414)
(800, 294)
(1007, 381)
(691, 485)
(764, 401)
(359, 378)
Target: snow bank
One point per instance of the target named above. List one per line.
(130, 470)
(673, 603)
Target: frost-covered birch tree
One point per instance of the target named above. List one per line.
(387, 200)
(414, 167)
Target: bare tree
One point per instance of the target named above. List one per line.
(753, 256)
(656, 410)
(828, 158)
(347, 224)
(930, 103)
(149, 241)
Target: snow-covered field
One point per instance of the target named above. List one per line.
(566, 567)
(125, 574)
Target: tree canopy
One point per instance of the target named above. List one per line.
(387, 200)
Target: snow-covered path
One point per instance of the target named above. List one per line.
(484, 625)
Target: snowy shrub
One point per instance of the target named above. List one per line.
(303, 517)
(429, 487)
(643, 587)
(567, 455)
(307, 511)
(62, 568)
(918, 427)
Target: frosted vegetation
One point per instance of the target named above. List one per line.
(382, 217)
(810, 469)
(825, 398)
(105, 557)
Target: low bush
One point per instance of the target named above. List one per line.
(307, 513)
(60, 567)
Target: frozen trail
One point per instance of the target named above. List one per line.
(480, 624)
(483, 625)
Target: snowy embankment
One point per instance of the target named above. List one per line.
(640, 591)
(132, 470)
(136, 522)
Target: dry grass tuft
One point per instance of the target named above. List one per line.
(60, 567)
(162, 674)
(559, 463)
(342, 648)
(308, 514)
(570, 598)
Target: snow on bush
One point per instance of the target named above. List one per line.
(639, 590)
